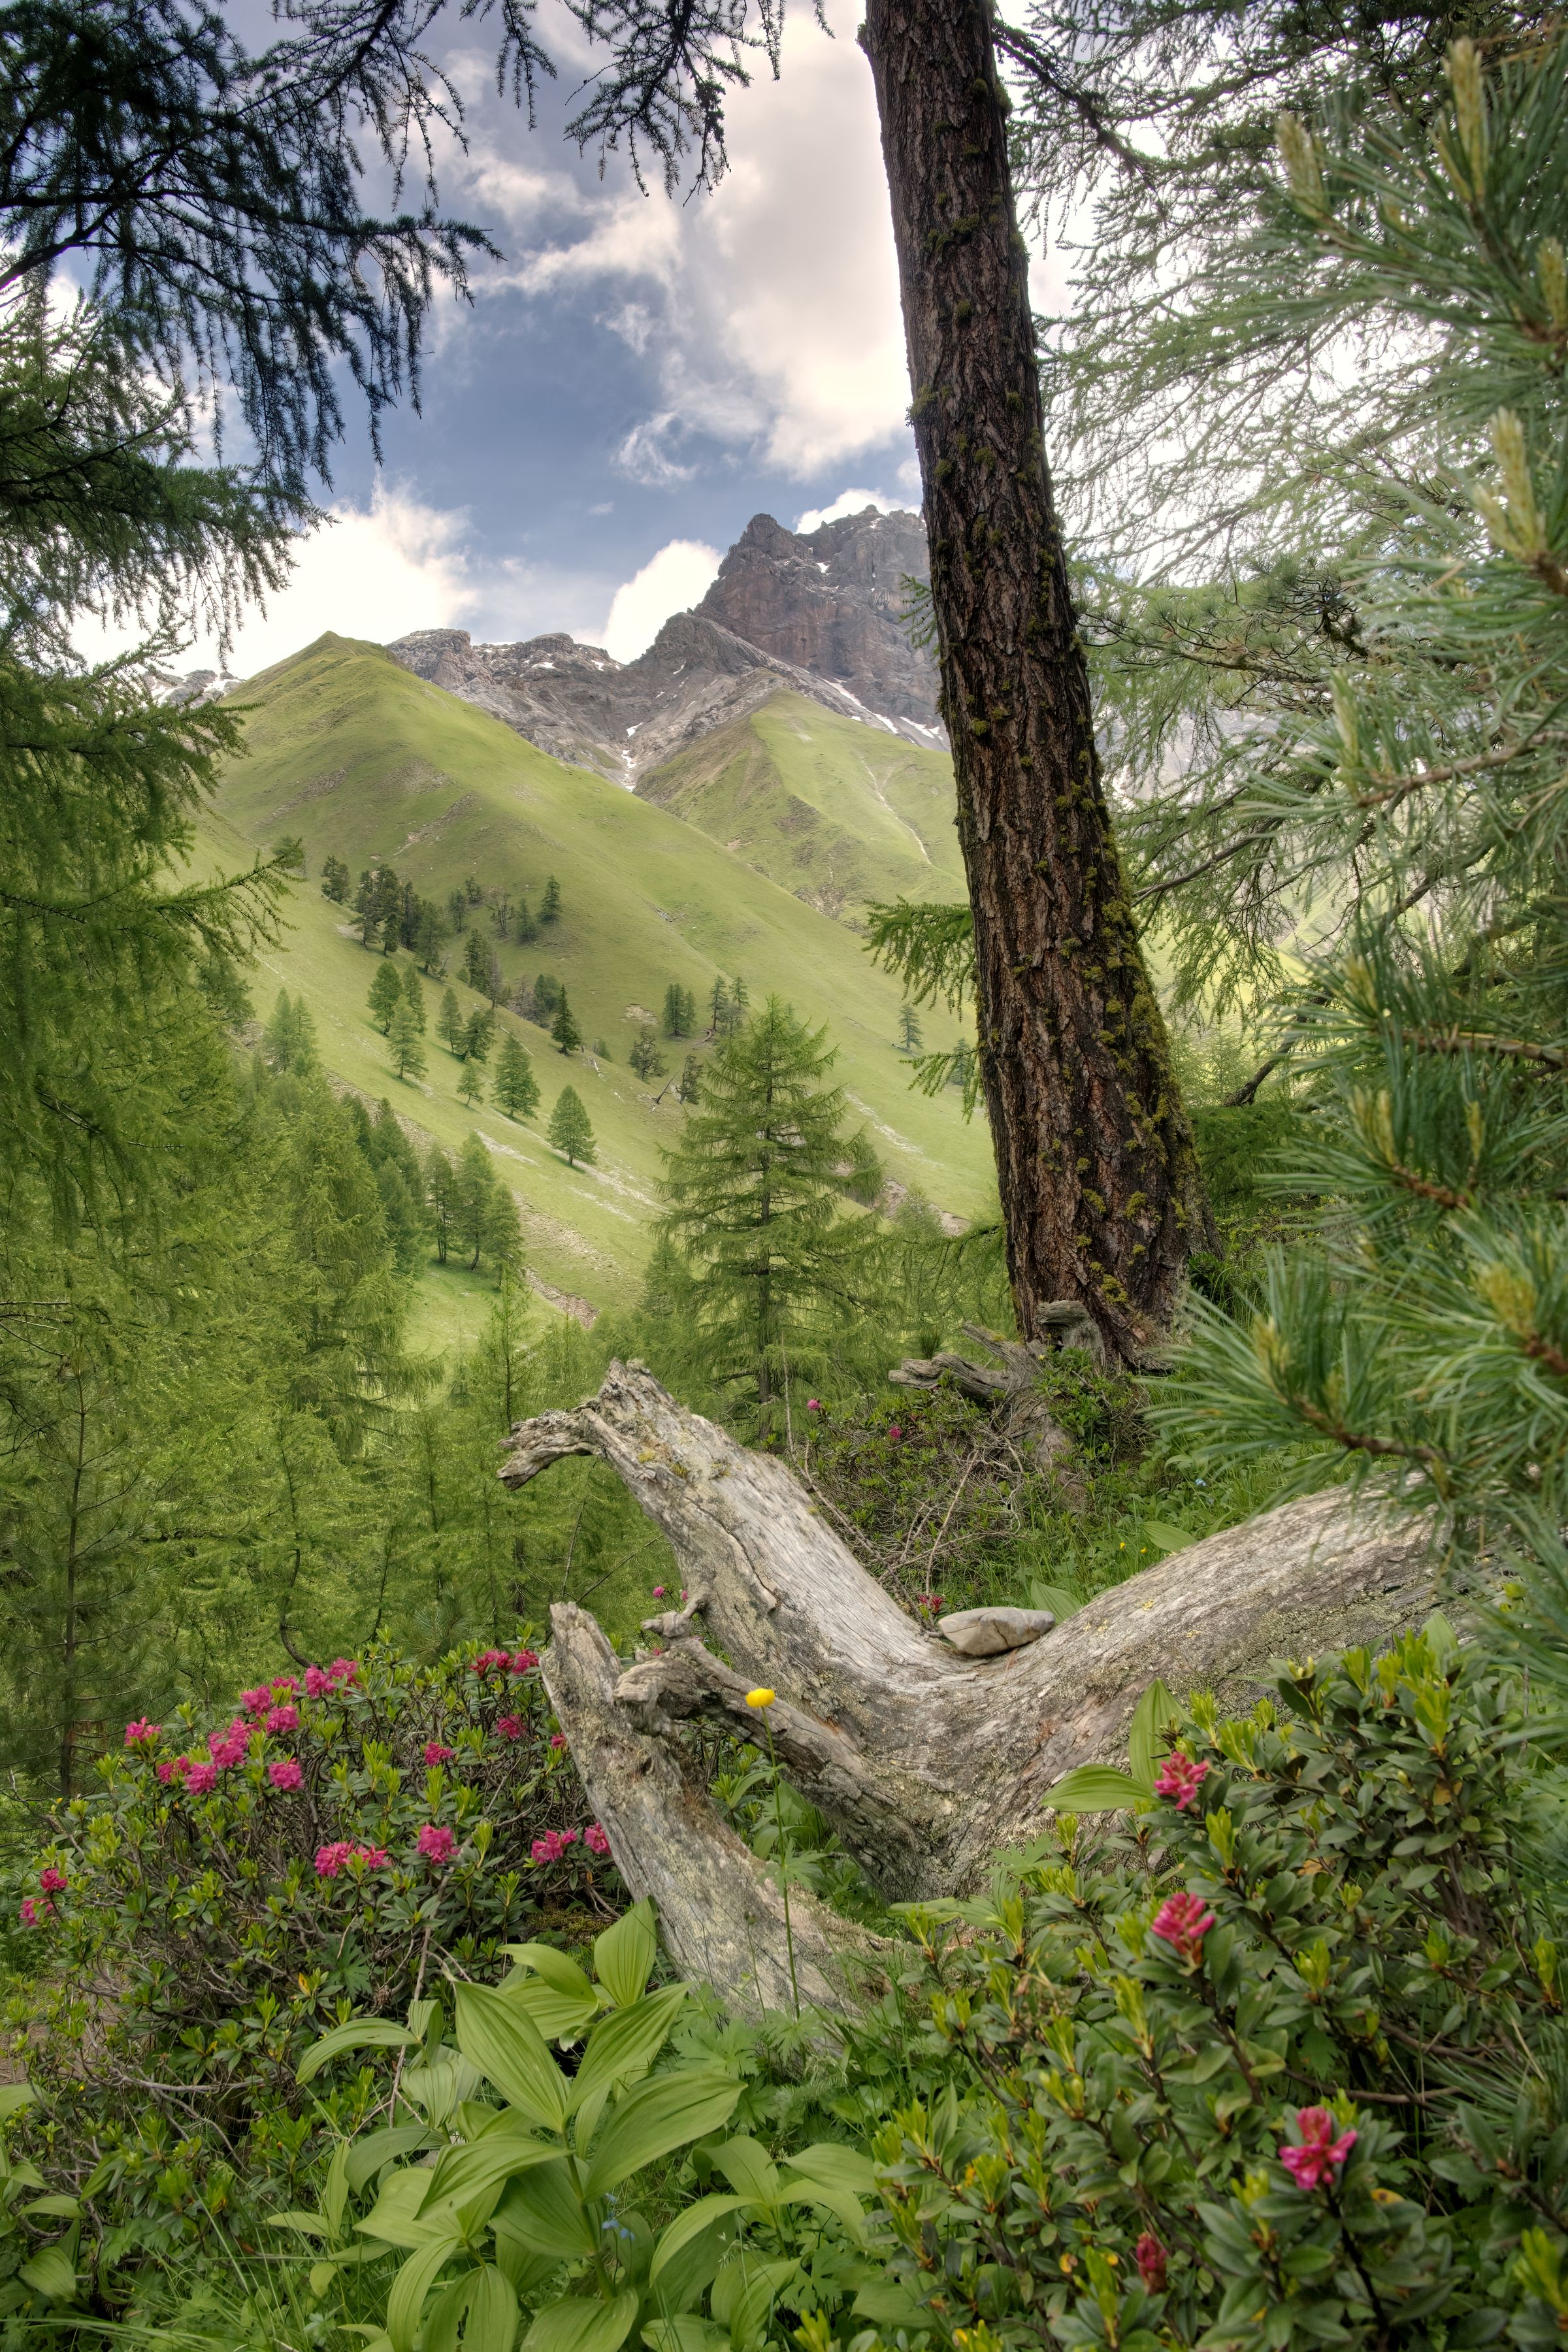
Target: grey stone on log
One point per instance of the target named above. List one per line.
(989, 1632)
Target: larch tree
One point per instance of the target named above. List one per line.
(449, 1023)
(406, 1042)
(414, 994)
(386, 996)
(516, 1088)
(569, 1129)
(563, 1028)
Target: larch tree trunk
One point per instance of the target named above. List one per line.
(1101, 1196)
(925, 1763)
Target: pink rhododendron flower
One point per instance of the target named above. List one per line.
(344, 1670)
(318, 1683)
(332, 1859)
(226, 1753)
(283, 1718)
(552, 1845)
(659, 1593)
(257, 1701)
(166, 1772)
(373, 1856)
(52, 1881)
(489, 1660)
(437, 1843)
(435, 1754)
(511, 1726)
(558, 1740)
(281, 1683)
(31, 1912)
(142, 1734)
(201, 1778)
(1181, 1922)
(286, 1773)
(524, 1661)
(1320, 2155)
(814, 1404)
(1180, 1778)
(1150, 2258)
(595, 1841)
(894, 1433)
(178, 1770)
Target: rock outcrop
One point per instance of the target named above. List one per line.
(836, 594)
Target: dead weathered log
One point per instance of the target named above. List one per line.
(924, 1762)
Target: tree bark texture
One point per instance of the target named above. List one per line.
(925, 1763)
(1101, 1196)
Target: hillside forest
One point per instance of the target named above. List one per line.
(782, 1539)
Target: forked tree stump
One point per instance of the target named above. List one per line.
(925, 1763)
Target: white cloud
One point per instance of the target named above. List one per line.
(678, 576)
(847, 502)
(645, 456)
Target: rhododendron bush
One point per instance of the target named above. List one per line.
(341, 1833)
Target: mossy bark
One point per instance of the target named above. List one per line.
(1101, 1191)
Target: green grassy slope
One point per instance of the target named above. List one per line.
(364, 759)
(836, 813)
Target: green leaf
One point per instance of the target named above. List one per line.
(553, 1966)
(310, 2225)
(367, 2154)
(1145, 1741)
(745, 2292)
(577, 2325)
(359, 2034)
(13, 2097)
(50, 2273)
(411, 2286)
(836, 2166)
(395, 2217)
(1162, 1536)
(67, 2209)
(1057, 1598)
(558, 2016)
(335, 2190)
(544, 2212)
(749, 2169)
(1098, 1789)
(492, 2313)
(624, 1953)
(469, 2169)
(1442, 1640)
(685, 2227)
(626, 2043)
(502, 2040)
(685, 2333)
(657, 2117)
(888, 2303)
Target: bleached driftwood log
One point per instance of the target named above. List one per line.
(924, 1762)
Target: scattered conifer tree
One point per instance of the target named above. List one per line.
(413, 997)
(404, 1212)
(564, 1028)
(718, 1005)
(457, 911)
(472, 1083)
(570, 1131)
(474, 1193)
(475, 961)
(495, 981)
(289, 850)
(516, 1088)
(386, 996)
(388, 909)
(472, 892)
(408, 1043)
(289, 1040)
(689, 1084)
(754, 1191)
(645, 1057)
(450, 1026)
(550, 905)
(478, 1033)
(547, 994)
(335, 882)
(910, 1038)
(501, 1234)
(441, 1197)
(523, 923)
(429, 936)
(679, 1011)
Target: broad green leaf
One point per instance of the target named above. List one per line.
(367, 2154)
(560, 2016)
(359, 2034)
(470, 2169)
(440, 2087)
(50, 2273)
(1145, 1733)
(67, 2209)
(411, 2286)
(335, 2190)
(394, 2218)
(1443, 1639)
(1057, 1598)
(1163, 1537)
(13, 2097)
(526, 2268)
(578, 2325)
(1098, 1789)
(888, 2303)
(553, 1966)
(492, 2313)
(310, 2225)
(842, 2201)
(830, 2161)
(322, 2276)
(624, 1953)
(749, 2169)
(626, 2043)
(689, 2225)
(659, 2115)
(544, 2212)
(503, 2041)
(685, 2333)
(745, 2292)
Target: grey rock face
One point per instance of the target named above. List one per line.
(987, 1632)
(835, 594)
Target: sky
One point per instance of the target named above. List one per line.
(634, 378)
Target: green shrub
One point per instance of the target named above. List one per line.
(223, 1898)
(1282, 2064)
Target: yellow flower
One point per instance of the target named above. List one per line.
(760, 1699)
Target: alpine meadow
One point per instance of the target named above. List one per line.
(784, 1344)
